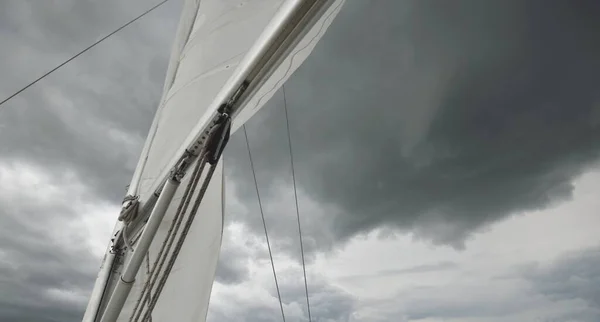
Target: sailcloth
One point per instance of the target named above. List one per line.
(212, 39)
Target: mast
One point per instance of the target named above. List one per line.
(259, 72)
(186, 21)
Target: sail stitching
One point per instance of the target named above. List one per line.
(203, 73)
(262, 214)
(171, 80)
(293, 56)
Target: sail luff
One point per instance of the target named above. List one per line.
(281, 37)
(287, 63)
(188, 17)
(285, 30)
(186, 22)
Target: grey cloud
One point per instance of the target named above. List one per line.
(328, 303)
(433, 117)
(575, 276)
(456, 309)
(232, 267)
(89, 118)
(425, 268)
(231, 271)
(256, 313)
(92, 115)
(277, 196)
(40, 255)
(562, 290)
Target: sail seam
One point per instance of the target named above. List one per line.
(166, 90)
(293, 56)
(209, 70)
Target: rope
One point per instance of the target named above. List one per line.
(264, 224)
(168, 241)
(287, 122)
(129, 212)
(83, 51)
(146, 294)
(127, 215)
(148, 272)
(126, 239)
(180, 241)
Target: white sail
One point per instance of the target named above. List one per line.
(213, 39)
(221, 35)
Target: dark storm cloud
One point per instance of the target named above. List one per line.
(90, 118)
(435, 117)
(40, 256)
(93, 114)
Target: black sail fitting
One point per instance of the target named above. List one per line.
(219, 138)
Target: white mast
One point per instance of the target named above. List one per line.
(267, 40)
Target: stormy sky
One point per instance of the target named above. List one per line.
(446, 157)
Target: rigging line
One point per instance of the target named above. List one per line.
(203, 159)
(262, 214)
(83, 51)
(180, 241)
(145, 295)
(126, 239)
(148, 272)
(287, 122)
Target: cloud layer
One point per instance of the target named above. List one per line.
(92, 115)
(68, 144)
(46, 262)
(436, 118)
